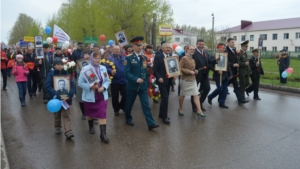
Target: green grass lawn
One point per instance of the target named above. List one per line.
(272, 73)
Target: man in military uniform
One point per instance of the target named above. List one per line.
(244, 68)
(61, 88)
(137, 75)
(257, 70)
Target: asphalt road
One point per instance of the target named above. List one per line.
(261, 135)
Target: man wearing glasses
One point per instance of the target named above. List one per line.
(244, 69)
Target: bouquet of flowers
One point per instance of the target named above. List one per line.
(69, 66)
(153, 90)
(109, 64)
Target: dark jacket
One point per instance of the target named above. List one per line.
(60, 56)
(46, 65)
(284, 62)
(159, 70)
(134, 69)
(50, 87)
(232, 59)
(31, 58)
(225, 75)
(202, 61)
(76, 55)
(119, 77)
(254, 68)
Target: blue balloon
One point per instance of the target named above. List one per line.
(110, 42)
(181, 52)
(54, 105)
(284, 74)
(48, 30)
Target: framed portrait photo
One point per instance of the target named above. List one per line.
(222, 63)
(172, 66)
(82, 62)
(38, 41)
(121, 38)
(62, 85)
(39, 53)
(91, 76)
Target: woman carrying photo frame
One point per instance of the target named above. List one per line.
(221, 76)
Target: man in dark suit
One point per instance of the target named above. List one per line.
(61, 88)
(137, 79)
(203, 62)
(163, 81)
(33, 76)
(257, 70)
(45, 65)
(232, 59)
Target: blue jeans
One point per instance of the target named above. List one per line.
(22, 89)
(221, 91)
(4, 76)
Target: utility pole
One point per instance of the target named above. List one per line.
(154, 31)
(212, 32)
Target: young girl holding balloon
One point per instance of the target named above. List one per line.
(52, 105)
(21, 71)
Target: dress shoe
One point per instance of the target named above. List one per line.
(117, 113)
(45, 101)
(209, 100)
(166, 121)
(243, 101)
(223, 106)
(195, 110)
(130, 123)
(153, 126)
(202, 108)
(256, 98)
(57, 131)
(201, 115)
(180, 113)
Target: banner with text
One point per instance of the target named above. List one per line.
(60, 34)
(165, 30)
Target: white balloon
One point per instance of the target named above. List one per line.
(178, 49)
(49, 40)
(67, 43)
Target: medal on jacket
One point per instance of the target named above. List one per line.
(144, 64)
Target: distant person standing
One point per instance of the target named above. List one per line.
(33, 77)
(4, 61)
(283, 62)
(257, 70)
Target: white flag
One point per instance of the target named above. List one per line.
(60, 34)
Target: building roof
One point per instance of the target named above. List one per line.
(265, 25)
(181, 32)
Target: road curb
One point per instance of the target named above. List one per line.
(277, 88)
(4, 159)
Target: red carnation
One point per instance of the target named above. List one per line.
(92, 75)
(167, 75)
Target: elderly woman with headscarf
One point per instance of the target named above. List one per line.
(95, 97)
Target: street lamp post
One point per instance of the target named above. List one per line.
(212, 32)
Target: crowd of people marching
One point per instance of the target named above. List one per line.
(138, 69)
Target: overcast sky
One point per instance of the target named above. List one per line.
(194, 12)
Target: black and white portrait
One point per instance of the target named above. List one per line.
(38, 40)
(222, 62)
(121, 38)
(91, 76)
(39, 53)
(82, 62)
(62, 85)
(172, 66)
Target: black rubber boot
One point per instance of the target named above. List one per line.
(91, 126)
(103, 134)
(81, 105)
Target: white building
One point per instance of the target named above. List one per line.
(183, 38)
(277, 34)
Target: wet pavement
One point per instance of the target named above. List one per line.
(261, 134)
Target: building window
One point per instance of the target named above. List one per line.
(234, 37)
(286, 36)
(251, 48)
(286, 48)
(264, 48)
(297, 48)
(243, 38)
(297, 35)
(186, 40)
(275, 36)
(251, 37)
(274, 49)
(263, 36)
(177, 39)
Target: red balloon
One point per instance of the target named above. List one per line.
(54, 39)
(102, 38)
(174, 46)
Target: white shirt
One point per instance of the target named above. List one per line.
(137, 56)
(200, 51)
(165, 55)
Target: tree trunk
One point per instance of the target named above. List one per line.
(146, 26)
(154, 31)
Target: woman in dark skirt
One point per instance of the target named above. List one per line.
(96, 97)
